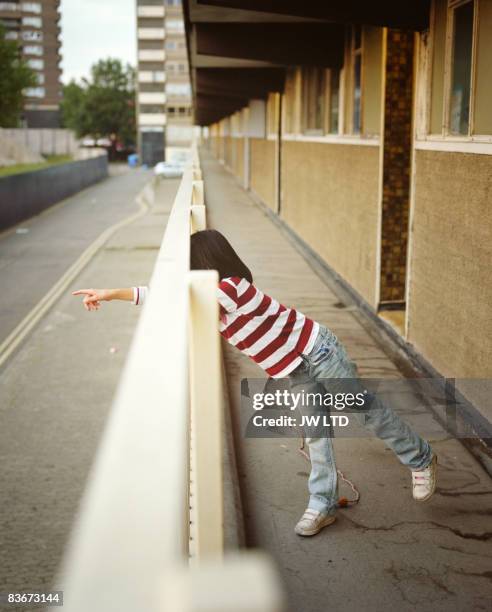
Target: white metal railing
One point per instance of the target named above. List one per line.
(131, 547)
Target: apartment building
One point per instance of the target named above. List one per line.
(35, 26)
(371, 140)
(164, 93)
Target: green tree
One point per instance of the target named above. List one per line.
(104, 104)
(15, 76)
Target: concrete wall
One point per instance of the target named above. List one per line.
(238, 168)
(330, 199)
(450, 300)
(228, 151)
(262, 170)
(27, 194)
(43, 141)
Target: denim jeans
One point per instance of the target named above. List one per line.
(329, 360)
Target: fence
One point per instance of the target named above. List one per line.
(150, 532)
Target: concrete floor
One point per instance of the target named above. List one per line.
(388, 552)
(58, 387)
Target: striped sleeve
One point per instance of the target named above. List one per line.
(139, 295)
(227, 295)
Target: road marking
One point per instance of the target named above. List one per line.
(144, 200)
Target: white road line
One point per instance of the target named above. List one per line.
(14, 339)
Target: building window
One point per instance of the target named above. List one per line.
(314, 86)
(176, 67)
(171, 110)
(31, 7)
(9, 6)
(34, 22)
(461, 70)
(151, 109)
(149, 76)
(175, 25)
(356, 56)
(334, 97)
(36, 64)
(33, 50)
(173, 2)
(11, 35)
(170, 45)
(32, 36)
(9, 23)
(178, 89)
(34, 92)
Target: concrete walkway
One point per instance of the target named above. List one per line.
(388, 552)
(58, 387)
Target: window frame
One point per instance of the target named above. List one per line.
(448, 68)
(306, 87)
(354, 52)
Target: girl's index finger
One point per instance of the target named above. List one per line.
(82, 292)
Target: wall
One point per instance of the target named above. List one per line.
(397, 143)
(372, 58)
(228, 151)
(238, 168)
(262, 170)
(27, 194)
(43, 141)
(450, 297)
(330, 199)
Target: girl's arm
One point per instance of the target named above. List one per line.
(94, 297)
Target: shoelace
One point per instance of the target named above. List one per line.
(343, 502)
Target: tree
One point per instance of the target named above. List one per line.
(104, 104)
(15, 76)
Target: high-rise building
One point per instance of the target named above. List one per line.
(35, 26)
(164, 95)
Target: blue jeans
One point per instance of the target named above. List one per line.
(329, 360)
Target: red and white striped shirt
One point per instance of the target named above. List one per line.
(273, 336)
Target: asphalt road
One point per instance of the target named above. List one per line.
(57, 388)
(34, 254)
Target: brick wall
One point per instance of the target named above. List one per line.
(396, 164)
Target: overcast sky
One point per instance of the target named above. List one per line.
(93, 30)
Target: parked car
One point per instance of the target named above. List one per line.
(169, 169)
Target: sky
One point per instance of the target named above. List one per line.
(94, 30)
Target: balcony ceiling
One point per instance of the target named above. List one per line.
(408, 14)
(239, 49)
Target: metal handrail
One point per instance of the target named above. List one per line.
(130, 548)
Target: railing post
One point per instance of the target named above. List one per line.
(246, 581)
(206, 414)
(198, 193)
(198, 218)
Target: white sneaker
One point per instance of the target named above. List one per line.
(424, 481)
(312, 522)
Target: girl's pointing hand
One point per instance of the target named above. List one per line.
(93, 297)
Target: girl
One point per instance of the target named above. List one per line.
(285, 343)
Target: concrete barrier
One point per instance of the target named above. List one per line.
(43, 141)
(27, 194)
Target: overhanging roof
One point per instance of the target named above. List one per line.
(239, 49)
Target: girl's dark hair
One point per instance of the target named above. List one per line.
(210, 250)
